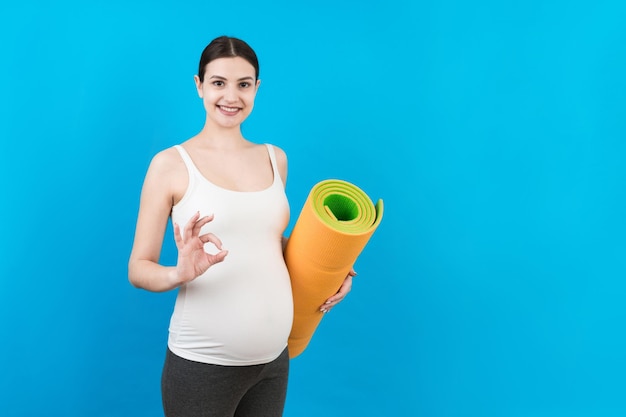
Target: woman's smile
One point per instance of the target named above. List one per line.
(228, 111)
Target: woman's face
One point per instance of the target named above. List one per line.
(228, 90)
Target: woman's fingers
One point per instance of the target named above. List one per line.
(345, 288)
(218, 257)
(210, 237)
(177, 237)
(192, 228)
(200, 224)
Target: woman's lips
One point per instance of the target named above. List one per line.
(230, 111)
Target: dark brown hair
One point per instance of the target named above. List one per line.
(227, 47)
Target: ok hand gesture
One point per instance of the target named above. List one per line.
(193, 260)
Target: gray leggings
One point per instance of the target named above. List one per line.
(193, 389)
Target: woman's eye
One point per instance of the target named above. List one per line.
(218, 83)
(244, 85)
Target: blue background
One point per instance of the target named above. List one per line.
(494, 132)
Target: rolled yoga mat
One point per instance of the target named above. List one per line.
(336, 222)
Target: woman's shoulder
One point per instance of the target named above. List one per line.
(281, 161)
(167, 174)
(280, 153)
(166, 160)
(167, 155)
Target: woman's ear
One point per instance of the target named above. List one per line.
(258, 83)
(196, 79)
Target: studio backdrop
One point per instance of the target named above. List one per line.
(493, 131)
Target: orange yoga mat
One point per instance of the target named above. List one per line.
(334, 226)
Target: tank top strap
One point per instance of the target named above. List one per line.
(191, 167)
(272, 153)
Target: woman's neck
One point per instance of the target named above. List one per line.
(220, 137)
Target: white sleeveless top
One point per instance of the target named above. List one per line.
(240, 311)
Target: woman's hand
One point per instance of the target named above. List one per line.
(345, 288)
(193, 261)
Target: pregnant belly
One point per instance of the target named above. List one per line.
(245, 329)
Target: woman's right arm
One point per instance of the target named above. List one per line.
(155, 207)
(165, 183)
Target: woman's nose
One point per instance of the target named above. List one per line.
(230, 94)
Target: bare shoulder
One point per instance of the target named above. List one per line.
(168, 173)
(281, 156)
(166, 160)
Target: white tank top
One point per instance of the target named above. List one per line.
(240, 311)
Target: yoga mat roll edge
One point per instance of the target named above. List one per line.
(334, 226)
